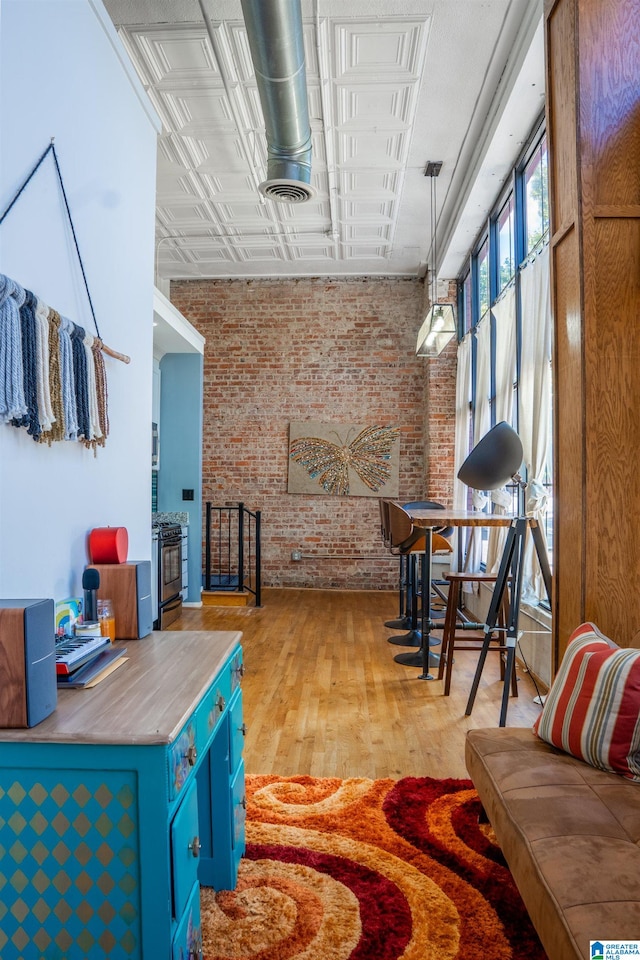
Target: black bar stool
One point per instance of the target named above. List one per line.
(408, 615)
(412, 542)
(403, 620)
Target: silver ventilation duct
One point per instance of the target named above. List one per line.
(274, 29)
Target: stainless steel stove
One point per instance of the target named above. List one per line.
(169, 562)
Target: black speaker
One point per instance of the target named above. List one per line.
(28, 689)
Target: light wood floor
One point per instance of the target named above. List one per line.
(323, 696)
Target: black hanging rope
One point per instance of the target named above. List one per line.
(51, 149)
(75, 239)
(27, 181)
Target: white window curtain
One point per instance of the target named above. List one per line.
(535, 405)
(463, 419)
(481, 424)
(504, 313)
(462, 430)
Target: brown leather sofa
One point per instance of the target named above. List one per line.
(570, 834)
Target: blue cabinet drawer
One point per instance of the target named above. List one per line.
(185, 849)
(237, 670)
(187, 942)
(212, 708)
(237, 732)
(182, 757)
(197, 733)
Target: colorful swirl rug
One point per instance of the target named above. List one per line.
(367, 870)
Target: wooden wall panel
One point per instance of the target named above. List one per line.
(593, 125)
(610, 160)
(569, 432)
(612, 399)
(561, 81)
(566, 286)
(610, 101)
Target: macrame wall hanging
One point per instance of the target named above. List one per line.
(53, 378)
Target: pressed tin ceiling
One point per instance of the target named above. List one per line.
(391, 85)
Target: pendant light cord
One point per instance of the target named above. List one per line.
(433, 238)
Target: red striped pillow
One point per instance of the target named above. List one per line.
(592, 710)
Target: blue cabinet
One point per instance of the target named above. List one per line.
(187, 943)
(185, 850)
(117, 807)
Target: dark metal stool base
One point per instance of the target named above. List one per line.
(415, 659)
(411, 639)
(401, 623)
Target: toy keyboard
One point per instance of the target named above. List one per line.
(74, 652)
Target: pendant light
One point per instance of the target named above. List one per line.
(439, 325)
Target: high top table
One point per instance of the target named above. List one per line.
(511, 563)
(119, 804)
(428, 520)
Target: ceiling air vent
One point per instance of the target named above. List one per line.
(274, 32)
(287, 191)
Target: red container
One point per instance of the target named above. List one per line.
(108, 545)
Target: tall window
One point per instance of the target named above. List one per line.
(536, 212)
(513, 239)
(536, 218)
(505, 243)
(483, 279)
(466, 304)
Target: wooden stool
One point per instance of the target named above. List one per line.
(454, 638)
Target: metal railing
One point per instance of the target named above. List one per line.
(232, 549)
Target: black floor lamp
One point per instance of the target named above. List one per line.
(493, 462)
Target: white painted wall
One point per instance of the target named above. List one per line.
(64, 74)
(172, 333)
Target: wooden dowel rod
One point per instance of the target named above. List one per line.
(115, 354)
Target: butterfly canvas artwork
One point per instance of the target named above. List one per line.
(334, 459)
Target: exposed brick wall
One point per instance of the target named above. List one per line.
(314, 349)
(440, 388)
(439, 407)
